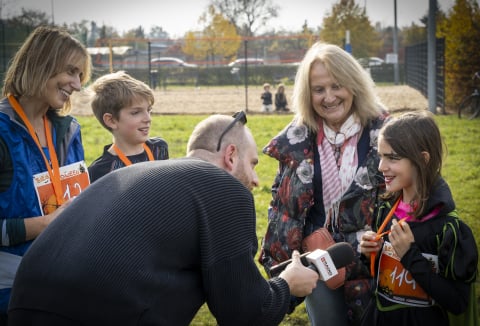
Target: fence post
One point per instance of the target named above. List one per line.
(432, 96)
(246, 77)
(149, 58)
(4, 51)
(395, 44)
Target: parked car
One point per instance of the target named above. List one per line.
(372, 61)
(375, 61)
(249, 61)
(171, 62)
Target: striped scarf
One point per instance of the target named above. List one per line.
(337, 173)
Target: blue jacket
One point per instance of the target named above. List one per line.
(19, 200)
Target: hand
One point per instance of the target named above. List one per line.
(370, 244)
(401, 237)
(47, 219)
(35, 225)
(300, 279)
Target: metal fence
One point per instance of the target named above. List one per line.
(416, 69)
(384, 73)
(279, 56)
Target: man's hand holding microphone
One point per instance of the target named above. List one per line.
(322, 263)
(300, 279)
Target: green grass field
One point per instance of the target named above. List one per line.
(461, 168)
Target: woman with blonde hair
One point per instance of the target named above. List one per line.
(37, 139)
(327, 178)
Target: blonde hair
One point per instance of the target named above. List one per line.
(46, 52)
(115, 91)
(343, 67)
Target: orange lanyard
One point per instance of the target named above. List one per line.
(53, 169)
(384, 224)
(125, 159)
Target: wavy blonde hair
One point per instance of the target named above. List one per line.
(347, 72)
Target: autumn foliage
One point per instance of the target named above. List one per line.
(461, 30)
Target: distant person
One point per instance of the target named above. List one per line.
(327, 183)
(235, 71)
(123, 105)
(425, 258)
(281, 103)
(150, 244)
(266, 98)
(39, 140)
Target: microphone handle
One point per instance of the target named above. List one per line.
(313, 268)
(281, 266)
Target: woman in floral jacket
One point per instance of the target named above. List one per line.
(328, 174)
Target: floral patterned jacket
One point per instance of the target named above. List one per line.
(293, 195)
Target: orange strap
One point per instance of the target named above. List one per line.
(125, 159)
(52, 167)
(384, 224)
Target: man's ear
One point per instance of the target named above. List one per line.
(109, 120)
(426, 156)
(230, 157)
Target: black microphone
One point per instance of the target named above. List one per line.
(324, 262)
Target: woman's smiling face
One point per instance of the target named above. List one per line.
(330, 100)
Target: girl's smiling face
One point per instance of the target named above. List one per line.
(398, 172)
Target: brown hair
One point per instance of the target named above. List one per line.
(409, 135)
(46, 52)
(115, 91)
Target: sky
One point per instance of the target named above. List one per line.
(176, 17)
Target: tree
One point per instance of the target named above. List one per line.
(3, 6)
(417, 33)
(135, 38)
(30, 19)
(462, 47)
(308, 36)
(218, 38)
(15, 30)
(288, 46)
(346, 15)
(414, 34)
(80, 31)
(158, 33)
(247, 15)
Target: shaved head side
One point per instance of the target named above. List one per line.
(207, 132)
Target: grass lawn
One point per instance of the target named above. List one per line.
(461, 168)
